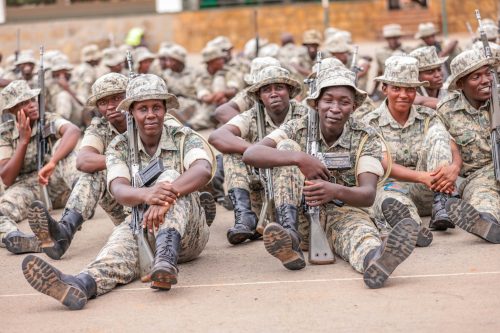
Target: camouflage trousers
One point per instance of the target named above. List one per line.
(90, 190)
(417, 197)
(481, 190)
(350, 231)
(202, 117)
(187, 107)
(239, 175)
(118, 261)
(16, 200)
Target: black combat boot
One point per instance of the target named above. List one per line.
(245, 220)
(164, 272)
(282, 239)
(394, 211)
(208, 203)
(440, 221)
(18, 242)
(55, 237)
(72, 291)
(464, 215)
(380, 262)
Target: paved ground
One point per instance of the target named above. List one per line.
(451, 286)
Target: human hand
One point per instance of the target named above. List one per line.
(318, 192)
(154, 217)
(45, 173)
(445, 178)
(312, 168)
(24, 127)
(161, 194)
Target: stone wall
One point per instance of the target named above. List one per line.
(364, 18)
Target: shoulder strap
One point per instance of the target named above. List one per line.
(212, 153)
(362, 143)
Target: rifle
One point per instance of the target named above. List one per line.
(146, 256)
(16, 52)
(265, 175)
(471, 32)
(42, 132)
(319, 249)
(256, 30)
(495, 106)
(354, 67)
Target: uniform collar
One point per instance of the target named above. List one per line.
(166, 143)
(344, 140)
(463, 104)
(387, 119)
(288, 117)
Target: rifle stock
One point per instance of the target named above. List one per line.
(495, 106)
(41, 138)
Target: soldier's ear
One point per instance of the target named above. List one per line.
(384, 88)
(460, 83)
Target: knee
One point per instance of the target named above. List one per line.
(289, 145)
(168, 176)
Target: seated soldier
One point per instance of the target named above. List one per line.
(273, 88)
(18, 162)
(55, 237)
(466, 114)
(425, 161)
(352, 234)
(174, 214)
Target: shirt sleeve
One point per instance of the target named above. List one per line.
(92, 138)
(243, 122)
(194, 149)
(371, 157)
(116, 160)
(6, 148)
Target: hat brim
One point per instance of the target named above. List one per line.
(418, 35)
(392, 35)
(60, 68)
(359, 95)
(408, 84)
(91, 102)
(25, 61)
(24, 97)
(171, 101)
(454, 78)
(253, 90)
(434, 65)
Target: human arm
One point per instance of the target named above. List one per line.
(227, 139)
(89, 160)
(446, 175)
(448, 49)
(225, 112)
(429, 102)
(319, 192)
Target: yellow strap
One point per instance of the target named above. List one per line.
(426, 125)
(389, 159)
(214, 160)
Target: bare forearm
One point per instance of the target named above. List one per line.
(430, 102)
(89, 162)
(405, 174)
(227, 142)
(226, 112)
(67, 145)
(261, 156)
(456, 157)
(359, 196)
(194, 178)
(10, 170)
(448, 49)
(126, 194)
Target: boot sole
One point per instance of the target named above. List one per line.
(39, 224)
(394, 211)
(209, 206)
(400, 243)
(239, 237)
(467, 217)
(279, 244)
(163, 279)
(22, 244)
(441, 225)
(47, 280)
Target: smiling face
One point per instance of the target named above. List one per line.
(477, 85)
(275, 97)
(149, 116)
(334, 107)
(399, 99)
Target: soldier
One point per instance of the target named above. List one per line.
(214, 86)
(25, 65)
(430, 70)
(143, 60)
(352, 234)
(85, 74)
(240, 66)
(339, 49)
(427, 33)
(303, 61)
(55, 237)
(424, 169)
(18, 162)
(174, 214)
(113, 60)
(180, 79)
(465, 113)
(63, 98)
(273, 88)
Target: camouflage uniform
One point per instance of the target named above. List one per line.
(237, 173)
(84, 75)
(351, 233)
(15, 201)
(390, 30)
(470, 129)
(25, 56)
(117, 262)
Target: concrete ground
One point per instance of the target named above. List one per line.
(451, 286)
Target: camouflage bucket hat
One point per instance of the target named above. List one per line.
(59, 62)
(176, 52)
(258, 64)
(25, 57)
(90, 52)
(106, 85)
(337, 44)
(337, 76)
(494, 47)
(142, 53)
(426, 30)
(210, 53)
(401, 71)
(274, 74)
(326, 63)
(490, 29)
(16, 92)
(392, 30)
(427, 58)
(112, 57)
(145, 87)
(221, 42)
(311, 37)
(466, 63)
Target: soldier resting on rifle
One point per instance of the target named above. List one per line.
(351, 233)
(174, 214)
(18, 163)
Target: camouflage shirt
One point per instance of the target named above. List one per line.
(181, 84)
(83, 76)
(243, 100)
(99, 134)
(384, 53)
(405, 142)
(9, 141)
(469, 128)
(208, 84)
(247, 121)
(347, 144)
(117, 161)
